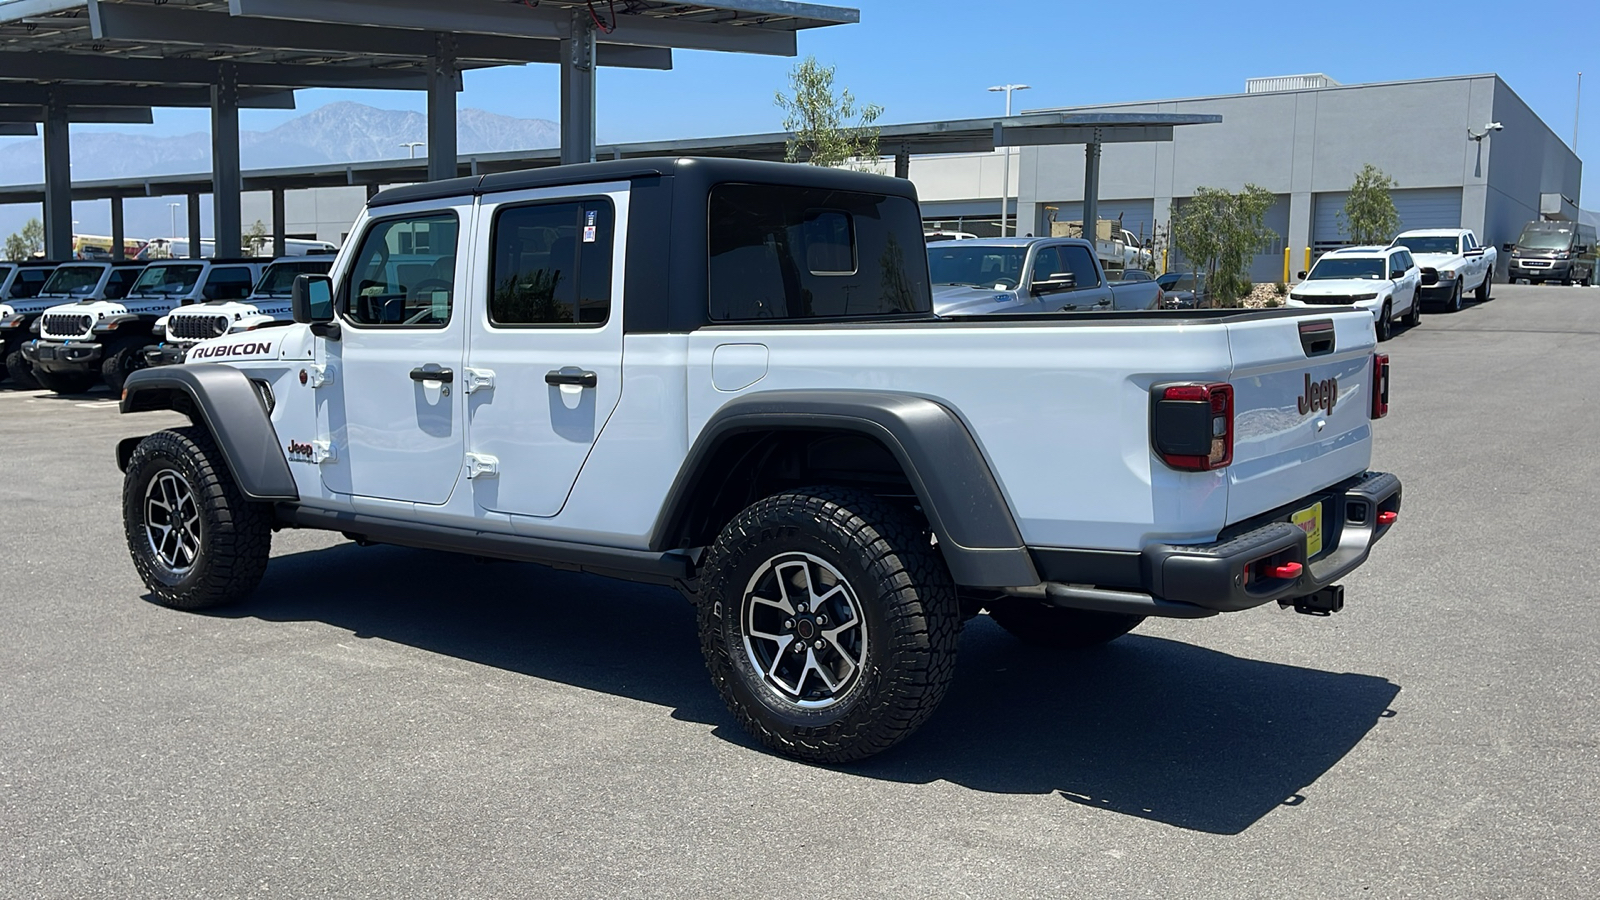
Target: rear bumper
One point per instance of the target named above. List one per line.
(63, 356)
(1195, 580)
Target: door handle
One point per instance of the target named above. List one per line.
(432, 372)
(581, 379)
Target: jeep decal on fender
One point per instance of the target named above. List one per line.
(215, 351)
(1319, 395)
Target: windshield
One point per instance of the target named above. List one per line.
(1427, 244)
(1330, 267)
(1545, 239)
(977, 266)
(28, 283)
(167, 280)
(1179, 281)
(73, 281)
(279, 277)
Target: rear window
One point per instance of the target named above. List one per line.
(119, 282)
(791, 253)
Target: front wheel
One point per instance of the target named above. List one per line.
(21, 371)
(1386, 322)
(122, 359)
(828, 623)
(1455, 299)
(1035, 623)
(194, 538)
(1482, 294)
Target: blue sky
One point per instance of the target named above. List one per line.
(933, 59)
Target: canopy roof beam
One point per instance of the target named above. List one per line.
(75, 67)
(14, 94)
(99, 115)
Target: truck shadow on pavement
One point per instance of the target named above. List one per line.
(1146, 727)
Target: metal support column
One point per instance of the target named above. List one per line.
(902, 162)
(194, 225)
(577, 90)
(57, 182)
(225, 180)
(280, 228)
(1091, 188)
(118, 252)
(442, 78)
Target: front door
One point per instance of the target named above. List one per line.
(393, 413)
(545, 355)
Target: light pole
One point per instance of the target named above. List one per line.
(1005, 177)
(172, 210)
(412, 146)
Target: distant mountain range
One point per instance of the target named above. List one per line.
(336, 133)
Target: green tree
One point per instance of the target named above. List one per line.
(25, 243)
(820, 120)
(256, 240)
(1369, 213)
(1218, 232)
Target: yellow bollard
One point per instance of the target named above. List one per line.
(1286, 265)
(1163, 262)
(1308, 259)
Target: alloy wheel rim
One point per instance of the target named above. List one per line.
(172, 521)
(803, 630)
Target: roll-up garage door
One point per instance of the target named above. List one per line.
(1138, 216)
(1418, 208)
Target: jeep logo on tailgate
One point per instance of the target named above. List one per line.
(1319, 395)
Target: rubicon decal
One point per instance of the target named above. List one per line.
(1319, 395)
(249, 348)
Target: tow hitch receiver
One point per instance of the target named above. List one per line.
(1325, 602)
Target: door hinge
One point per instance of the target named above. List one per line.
(480, 465)
(323, 451)
(317, 376)
(478, 380)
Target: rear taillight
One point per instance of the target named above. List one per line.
(1380, 385)
(1191, 425)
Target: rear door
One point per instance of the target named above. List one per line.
(544, 360)
(394, 411)
(1302, 407)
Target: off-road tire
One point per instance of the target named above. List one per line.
(1481, 293)
(1386, 322)
(234, 534)
(907, 604)
(122, 359)
(1035, 623)
(64, 382)
(20, 371)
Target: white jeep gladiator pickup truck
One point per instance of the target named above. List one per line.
(725, 376)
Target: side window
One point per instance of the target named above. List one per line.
(119, 282)
(1081, 264)
(404, 274)
(782, 252)
(1468, 243)
(1047, 262)
(552, 264)
(227, 283)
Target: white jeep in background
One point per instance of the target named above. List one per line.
(266, 307)
(725, 376)
(1381, 280)
(1452, 263)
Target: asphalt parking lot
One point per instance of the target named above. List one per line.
(386, 722)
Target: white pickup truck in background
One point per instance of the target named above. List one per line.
(1452, 263)
(727, 376)
(1028, 275)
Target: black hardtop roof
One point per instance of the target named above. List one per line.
(39, 262)
(709, 170)
(215, 261)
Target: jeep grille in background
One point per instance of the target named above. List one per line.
(67, 325)
(197, 328)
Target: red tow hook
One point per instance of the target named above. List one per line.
(1287, 570)
(1387, 518)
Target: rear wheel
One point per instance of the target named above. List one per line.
(1035, 623)
(21, 371)
(828, 623)
(64, 382)
(194, 538)
(1386, 322)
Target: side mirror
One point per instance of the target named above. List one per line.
(311, 299)
(1302, 275)
(1581, 248)
(1508, 247)
(1058, 281)
(1397, 274)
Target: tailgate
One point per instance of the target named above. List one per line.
(1302, 412)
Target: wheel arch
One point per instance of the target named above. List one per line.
(221, 400)
(869, 435)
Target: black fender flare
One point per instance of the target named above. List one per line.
(977, 533)
(222, 399)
